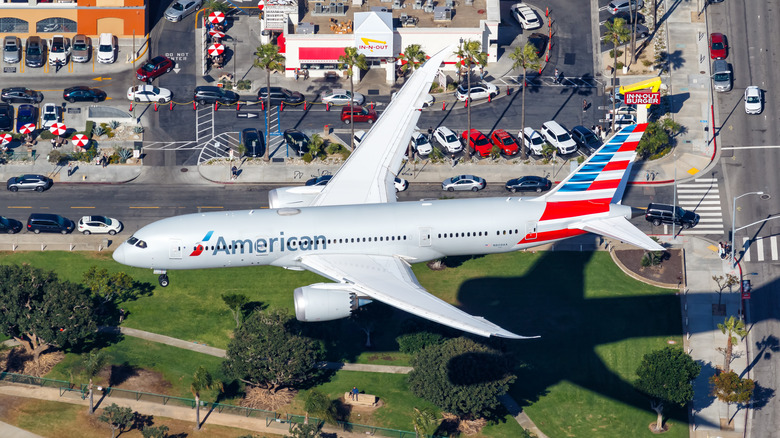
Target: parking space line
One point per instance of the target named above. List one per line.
(746, 247)
(760, 249)
(773, 247)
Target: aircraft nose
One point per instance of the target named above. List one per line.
(119, 254)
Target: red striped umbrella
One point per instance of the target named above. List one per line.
(216, 49)
(58, 128)
(216, 17)
(217, 34)
(5, 138)
(80, 140)
(27, 128)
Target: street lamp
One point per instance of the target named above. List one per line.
(733, 217)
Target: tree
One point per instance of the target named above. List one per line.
(320, 405)
(470, 52)
(461, 376)
(108, 287)
(210, 6)
(730, 327)
(201, 381)
(269, 351)
(412, 58)
(236, 303)
(665, 376)
(40, 311)
(347, 62)
(616, 33)
(118, 418)
(425, 422)
(729, 281)
(729, 388)
(155, 431)
(316, 145)
(654, 140)
(93, 362)
(524, 58)
(269, 59)
(299, 430)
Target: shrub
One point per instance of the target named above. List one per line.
(647, 63)
(414, 342)
(619, 65)
(612, 53)
(56, 157)
(244, 84)
(113, 124)
(45, 135)
(307, 157)
(138, 129)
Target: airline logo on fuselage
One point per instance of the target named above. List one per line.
(260, 245)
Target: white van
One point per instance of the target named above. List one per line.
(106, 53)
(558, 137)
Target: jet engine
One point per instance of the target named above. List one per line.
(296, 196)
(326, 302)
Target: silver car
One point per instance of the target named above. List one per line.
(12, 49)
(181, 8)
(38, 183)
(463, 182)
(81, 49)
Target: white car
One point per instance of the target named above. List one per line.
(400, 184)
(616, 6)
(59, 50)
(478, 91)
(149, 93)
(526, 16)
(181, 8)
(445, 137)
(754, 100)
(532, 139)
(51, 114)
(99, 225)
(340, 96)
(107, 47)
(421, 143)
(622, 120)
(558, 137)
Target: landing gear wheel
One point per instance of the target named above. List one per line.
(163, 279)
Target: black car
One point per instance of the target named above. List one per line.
(297, 141)
(10, 226)
(84, 94)
(528, 184)
(27, 114)
(253, 142)
(35, 52)
(319, 181)
(49, 223)
(666, 214)
(208, 94)
(38, 183)
(585, 138)
(20, 95)
(6, 117)
(279, 95)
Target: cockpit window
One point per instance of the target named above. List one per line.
(141, 244)
(132, 240)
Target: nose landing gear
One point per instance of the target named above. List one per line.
(163, 279)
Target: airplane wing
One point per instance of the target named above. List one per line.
(367, 175)
(391, 281)
(621, 229)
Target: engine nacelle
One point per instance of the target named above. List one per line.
(297, 196)
(325, 302)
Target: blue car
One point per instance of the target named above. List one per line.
(27, 114)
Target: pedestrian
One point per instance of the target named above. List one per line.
(355, 393)
(556, 75)
(297, 74)
(57, 66)
(430, 133)
(104, 161)
(70, 168)
(121, 315)
(584, 105)
(234, 172)
(453, 160)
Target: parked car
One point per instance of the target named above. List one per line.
(34, 52)
(12, 49)
(9, 226)
(539, 42)
(358, 138)
(640, 29)
(754, 100)
(586, 138)
(616, 6)
(721, 75)
(718, 46)
(38, 183)
(6, 117)
(181, 8)
(20, 95)
(207, 94)
(81, 49)
(52, 113)
(84, 94)
(149, 93)
(447, 139)
(99, 225)
(557, 136)
(340, 96)
(624, 109)
(400, 184)
(421, 143)
(505, 142)
(533, 140)
(477, 142)
(59, 50)
(628, 17)
(319, 181)
(358, 114)
(253, 142)
(622, 120)
(528, 184)
(667, 214)
(525, 16)
(480, 90)
(49, 223)
(279, 95)
(463, 182)
(26, 114)
(297, 141)
(153, 68)
(107, 48)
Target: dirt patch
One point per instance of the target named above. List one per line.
(669, 272)
(451, 424)
(19, 360)
(134, 379)
(260, 398)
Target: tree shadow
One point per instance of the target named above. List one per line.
(120, 373)
(675, 101)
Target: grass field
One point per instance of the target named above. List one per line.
(595, 324)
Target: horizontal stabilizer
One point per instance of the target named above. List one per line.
(620, 228)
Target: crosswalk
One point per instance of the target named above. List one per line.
(760, 249)
(703, 197)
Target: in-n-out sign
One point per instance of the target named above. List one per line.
(372, 45)
(642, 98)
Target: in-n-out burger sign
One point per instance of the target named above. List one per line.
(642, 98)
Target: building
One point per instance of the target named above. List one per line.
(46, 18)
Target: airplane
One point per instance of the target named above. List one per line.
(353, 232)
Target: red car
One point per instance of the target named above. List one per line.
(358, 113)
(505, 142)
(153, 68)
(478, 143)
(718, 46)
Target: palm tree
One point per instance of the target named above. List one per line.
(414, 57)
(347, 62)
(316, 143)
(525, 58)
(201, 381)
(617, 33)
(93, 363)
(269, 59)
(424, 422)
(318, 403)
(730, 327)
(470, 52)
(210, 6)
